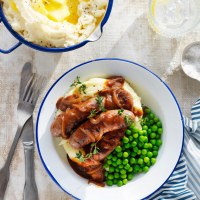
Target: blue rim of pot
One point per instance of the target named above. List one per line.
(46, 49)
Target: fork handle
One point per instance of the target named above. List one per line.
(30, 188)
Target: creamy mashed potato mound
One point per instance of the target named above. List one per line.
(54, 23)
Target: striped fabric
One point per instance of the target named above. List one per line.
(184, 183)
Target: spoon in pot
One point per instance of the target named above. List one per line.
(190, 60)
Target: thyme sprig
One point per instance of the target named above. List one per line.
(99, 100)
(120, 111)
(92, 113)
(128, 120)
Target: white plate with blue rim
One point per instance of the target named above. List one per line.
(154, 94)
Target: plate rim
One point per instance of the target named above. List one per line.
(97, 60)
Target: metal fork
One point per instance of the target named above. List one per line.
(24, 110)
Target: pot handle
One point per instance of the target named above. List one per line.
(12, 48)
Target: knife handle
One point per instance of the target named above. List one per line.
(30, 188)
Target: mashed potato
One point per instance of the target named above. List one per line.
(54, 23)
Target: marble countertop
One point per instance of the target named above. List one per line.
(127, 35)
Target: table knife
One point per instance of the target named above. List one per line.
(30, 188)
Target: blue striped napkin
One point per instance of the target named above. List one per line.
(184, 183)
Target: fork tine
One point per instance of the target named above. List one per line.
(28, 85)
(31, 90)
(37, 90)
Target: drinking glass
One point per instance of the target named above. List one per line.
(173, 18)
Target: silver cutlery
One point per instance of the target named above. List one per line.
(30, 188)
(25, 109)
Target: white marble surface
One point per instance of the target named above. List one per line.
(127, 35)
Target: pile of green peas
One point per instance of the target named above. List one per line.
(137, 152)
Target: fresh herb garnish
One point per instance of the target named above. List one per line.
(128, 120)
(76, 82)
(92, 113)
(94, 148)
(120, 111)
(99, 100)
(80, 156)
(82, 88)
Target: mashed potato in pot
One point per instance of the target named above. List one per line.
(54, 23)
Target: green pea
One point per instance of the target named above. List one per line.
(156, 119)
(155, 148)
(150, 145)
(135, 135)
(139, 152)
(144, 151)
(125, 161)
(122, 171)
(114, 158)
(147, 111)
(144, 132)
(110, 176)
(125, 181)
(160, 131)
(118, 149)
(145, 169)
(133, 154)
(109, 162)
(140, 144)
(145, 127)
(149, 131)
(158, 143)
(140, 132)
(125, 140)
(130, 177)
(109, 182)
(152, 135)
(153, 142)
(116, 175)
(148, 164)
(109, 156)
(121, 166)
(140, 161)
(154, 128)
(130, 138)
(132, 126)
(153, 161)
(127, 146)
(125, 154)
(135, 149)
(117, 169)
(119, 161)
(128, 132)
(105, 165)
(151, 116)
(119, 183)
(115, 181)
(119, 155)
(132, 160)
(127, 166)
(150, 154)
(159, 124)
(151, 122)
(134, 130)
(106, 174)
(146, 159)
(146, 146)
(130, 169)
(134, 144)
(155, 153)
(111, 169)
(123, 176)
